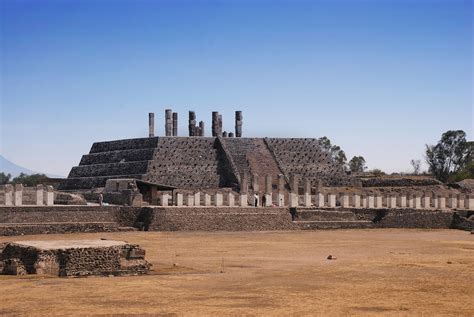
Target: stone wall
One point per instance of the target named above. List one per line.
(219, 219)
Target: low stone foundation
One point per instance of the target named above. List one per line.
(73, 258)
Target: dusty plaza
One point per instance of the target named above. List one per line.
(395, 272)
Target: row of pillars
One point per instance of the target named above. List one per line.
(171, 124)
(13, 195)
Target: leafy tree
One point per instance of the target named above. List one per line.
(416, 164)
(450, 155)
(336, 152)
(30, 180)
(357, 164)
(4, 178)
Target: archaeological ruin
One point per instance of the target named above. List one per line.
(226, 181)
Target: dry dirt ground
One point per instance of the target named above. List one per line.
(377, 272)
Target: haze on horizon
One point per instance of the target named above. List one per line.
(379, 78)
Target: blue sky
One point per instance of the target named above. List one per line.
(379, 78)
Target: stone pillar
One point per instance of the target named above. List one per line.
(295, 183)
(243, 200)
(164, 199)
(18, 195)
(364, 201)
(332, 200)
(307, 193)
(168, 122)
(268, 190)
(179, 199)
(201, 128)
(8, 195)
(239, 120)
(39, 195)
(175, 124)
(189, 200)
(219, 127)
(255, 184)
(356, 201)
(417, 201)
(151, 125)
(345, 200)
(453, 202)
(411, 201)
(216, 124)
(469, 202)
(370, 202)
(461, 202)
(294, 200)
(392, 202)
(435, 202)
(230, 199)
(402, 201)
(320, 200)
(49, 198)
(244, 183)
(207, 199)
(197, 199)
(281, 190)
(219, 199)
(426, 201)
(442, 202)
(192, 123)
(378, 201)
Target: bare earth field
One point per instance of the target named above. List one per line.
(387, 271)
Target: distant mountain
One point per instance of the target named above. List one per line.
(9, 167)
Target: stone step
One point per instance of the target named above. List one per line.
(15, 229)
(314, 225)
(325, 215)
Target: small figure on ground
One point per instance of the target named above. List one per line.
(264, 201)
(101, 199)
(256, 200)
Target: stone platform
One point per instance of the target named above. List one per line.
(72, 258)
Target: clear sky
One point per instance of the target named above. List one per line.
(379, 78)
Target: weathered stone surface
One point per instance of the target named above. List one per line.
(71, 258)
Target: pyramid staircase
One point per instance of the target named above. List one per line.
(313, 219)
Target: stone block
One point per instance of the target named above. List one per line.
(364, 201)
(190, 200)
(461, 201)
(197, 199)
(320, 200)
(230, 199)
(179, 199)
(164, 199)
(49, 196)
(345, 201)
(281, 199)
(453, 201)
(268, 200)
(243, 200)
(442, 203)
(417, 202)
(8, 195)
(294, 200)
(426, 201)
(411, 201)
(18, 195)
(370, 202)
(332, 200)
(39, 195)
(402, 201)
(356, 201)
(307, 199)
(378, 202)
(470, 202)
(207, 199)
(392, 202)
(218, 199)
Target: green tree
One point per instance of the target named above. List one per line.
(30, 180)
(337, 154)
(357, 164)
(4, 178)
(449, 155)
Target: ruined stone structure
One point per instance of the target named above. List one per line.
(205, 162)
(71, 258)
